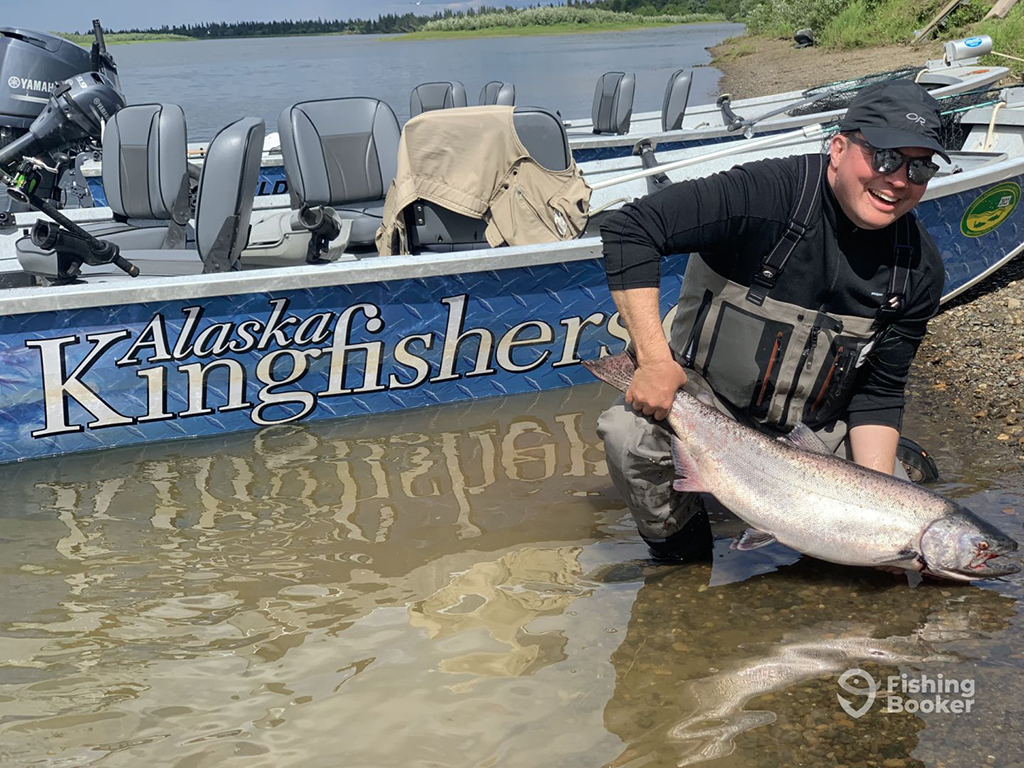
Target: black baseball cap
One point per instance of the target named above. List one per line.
(896, 114)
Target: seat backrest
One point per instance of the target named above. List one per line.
(543, 135)
(677, 94)
(444, 95)
(339, 151)
(435, 229)
(226, 190)
(496, 92)
(613, 103)
(144, 156)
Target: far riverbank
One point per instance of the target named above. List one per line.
(971, 365)
(535, 30)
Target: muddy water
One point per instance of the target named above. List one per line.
(457, 587)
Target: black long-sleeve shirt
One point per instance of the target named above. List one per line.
(733, 219)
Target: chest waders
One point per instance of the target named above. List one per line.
(780, 364)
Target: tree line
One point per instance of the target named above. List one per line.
(391, 23)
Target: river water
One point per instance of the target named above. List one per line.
(216, 82)
(458, 586)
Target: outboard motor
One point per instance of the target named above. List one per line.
(32, 65)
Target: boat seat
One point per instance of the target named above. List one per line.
(223, 208)
(145, 178)
(433, 229)
(341, 153)
(496, 92)
(677, 94)
(613, 103)
(443, 95)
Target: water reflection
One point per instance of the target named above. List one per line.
(246, 558)
(750, 670)
(458, 586)
(502, 598)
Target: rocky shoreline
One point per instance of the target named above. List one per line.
(971, 364)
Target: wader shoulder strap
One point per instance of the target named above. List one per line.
(799, 221)
(899, 278)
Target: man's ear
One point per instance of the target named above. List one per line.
(836, 147)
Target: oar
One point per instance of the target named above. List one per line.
(735, 148)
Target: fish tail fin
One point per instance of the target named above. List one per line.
(616, 370)
(687, 475)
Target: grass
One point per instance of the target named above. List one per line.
(852, 24)
(533, 29)
(122, 38)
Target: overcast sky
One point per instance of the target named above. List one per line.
(77, 15)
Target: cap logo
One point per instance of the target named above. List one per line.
(915, 118)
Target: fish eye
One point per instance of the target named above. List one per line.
(983, 545)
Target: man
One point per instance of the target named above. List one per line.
(808, 290)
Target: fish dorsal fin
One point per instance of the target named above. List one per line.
(752, 539)
(687, 476)
(803, 437)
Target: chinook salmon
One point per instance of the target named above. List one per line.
(789, 490)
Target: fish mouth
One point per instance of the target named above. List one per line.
(981, 567)
(982, 564)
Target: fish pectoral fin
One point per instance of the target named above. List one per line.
(905, 558)
(752, 539)
(803, 437)
(687, 479)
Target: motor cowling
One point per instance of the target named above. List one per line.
(32, 64)
(76, 111)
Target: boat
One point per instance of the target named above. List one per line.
(613, 130)
(124, 362)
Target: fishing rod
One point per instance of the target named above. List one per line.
(735, 148)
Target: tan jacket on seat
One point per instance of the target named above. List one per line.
(471, 161)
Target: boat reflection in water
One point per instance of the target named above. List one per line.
(458, 585)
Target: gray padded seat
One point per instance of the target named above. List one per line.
(145, 178)
(496, 92)
(224, 206)
(677, 94)
(341, 153)
(433, 229)
(613, 103)
(429, 96)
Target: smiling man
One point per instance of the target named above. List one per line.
(808, 290)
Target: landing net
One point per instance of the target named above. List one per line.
(839, 94)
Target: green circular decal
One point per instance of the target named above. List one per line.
(990, 210)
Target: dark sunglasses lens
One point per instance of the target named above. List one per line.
(888, 160)
(920, 171)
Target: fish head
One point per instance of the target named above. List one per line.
(616, 370)
(962, 547)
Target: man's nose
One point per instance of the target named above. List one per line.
(898, 178)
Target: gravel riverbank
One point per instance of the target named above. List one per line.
(971, 364)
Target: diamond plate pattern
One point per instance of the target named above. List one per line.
(495, 300)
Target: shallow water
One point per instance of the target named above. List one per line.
(457, 586)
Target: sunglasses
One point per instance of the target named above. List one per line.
(886, 161)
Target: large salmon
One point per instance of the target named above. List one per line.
(816, 503)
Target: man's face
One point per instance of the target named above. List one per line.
(870, 199)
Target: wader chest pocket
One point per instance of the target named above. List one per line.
(744, 358)
(835, 380)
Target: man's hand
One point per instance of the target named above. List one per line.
(654, 387)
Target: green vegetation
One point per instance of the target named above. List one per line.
(598, 14)
(531, 30)
(564, 18)
(845, 24)
(119, 38)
